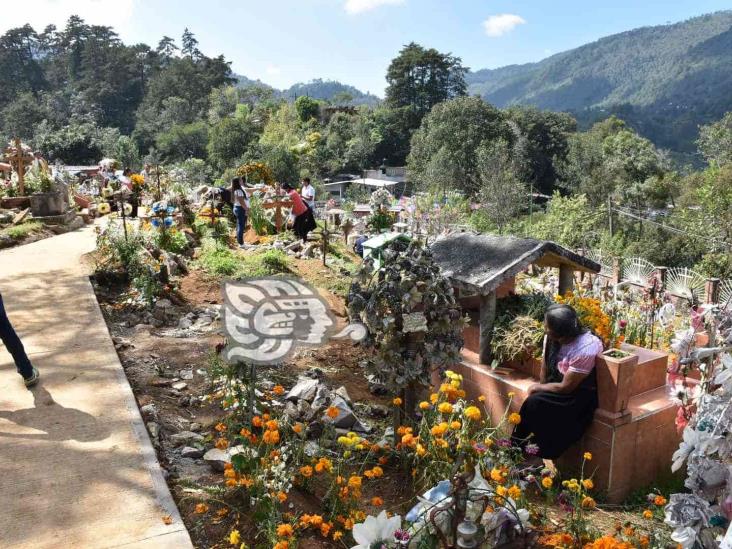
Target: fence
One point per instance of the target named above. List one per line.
(681, 282)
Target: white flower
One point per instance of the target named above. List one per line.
(375, 529)
(682, 342)
(692, 438)
(685, 536)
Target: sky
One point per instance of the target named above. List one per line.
(286, 41)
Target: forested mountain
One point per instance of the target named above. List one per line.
(664, 81)
(324, 90)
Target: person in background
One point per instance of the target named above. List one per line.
(308, 193)
(358, 245)
(559, 410)
(15, 347)
(125, 181)
(304, 219)
(241, 208)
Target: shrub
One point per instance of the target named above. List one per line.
(267, 263)
(217, 259)
(171, 241)
(18, 232)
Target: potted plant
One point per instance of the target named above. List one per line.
(47, 200)
(615, 370)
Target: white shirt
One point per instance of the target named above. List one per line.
(308, 195)
(241, 194)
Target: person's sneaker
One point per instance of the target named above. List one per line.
(33, 379)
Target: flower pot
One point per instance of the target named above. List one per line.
(19, 202)
(47, 204)
(615, 380)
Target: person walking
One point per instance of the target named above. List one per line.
(15, 347)
(241, 208)
(304, 219)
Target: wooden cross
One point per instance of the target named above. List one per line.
(18, 161)
(122, 198)
(347, 227)
(278, 203)
(325, 234)
(212, 214)
(157, 172)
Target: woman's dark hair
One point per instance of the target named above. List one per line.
(562, 320)
(127, 171)
(287, 186)
(306, 180)
(235, 184)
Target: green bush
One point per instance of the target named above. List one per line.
(266, 263)
(217, 259)
(18, 232)
(170, 240)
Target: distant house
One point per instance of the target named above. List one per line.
(392, 178)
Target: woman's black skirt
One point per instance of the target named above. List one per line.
(304, 223)
(555, 421)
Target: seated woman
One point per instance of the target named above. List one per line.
(560, 408)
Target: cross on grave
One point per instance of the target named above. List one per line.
(157, 172)
(325, 235)
(19, 161)
(213, 214)
(346, 227)
(122, 198)
(278, 203)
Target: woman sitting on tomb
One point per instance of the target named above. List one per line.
(559, 410)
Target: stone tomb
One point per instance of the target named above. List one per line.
(633, 434)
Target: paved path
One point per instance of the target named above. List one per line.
(76, 465)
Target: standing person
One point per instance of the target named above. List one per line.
(15, 347)
(559, 410)
(308, 193)
(241, 208)
(304, 219)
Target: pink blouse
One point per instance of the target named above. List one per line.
(579, 355)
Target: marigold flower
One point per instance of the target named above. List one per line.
(278, 389)
(588, 502)
(231, 482)
(660, 501)
(234, 537)
(497, 475)
(424, 405)
(514, 492)
(502, 491)
(434, 397)
(332, 412)
(325, 529)
(481, 398)
(547, 482)
(272, 425)
(378, 471)
(282, 497)
(201, 508)
(514, 418)
(337, 535)
(588, 484)
(420, 450)
(445, 408)
(472, 413)
(511, 394)
(383, 460)
(441, 443)
(306, 471)
(222, 444)
(246, 482)
(455, 425)
(271, 437)
(648, 515)
(297, 428)
(257, 421)
(587, 456)
(354, 481)
(376, 501)
(285, 531)
(397, 401)
(220, 427)
(282, 544)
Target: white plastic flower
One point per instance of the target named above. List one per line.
(375, 529)
(684, 536)
(691, 440)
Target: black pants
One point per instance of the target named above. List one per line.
(12, 342)
(304, 223)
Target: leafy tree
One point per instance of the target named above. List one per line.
(183, 141)
(569, 221)
(126, 152)
(502, 194)
(307, 108)
(189, 45)
(715, 141)
(444, 148)
(421, 78)
(228, 140)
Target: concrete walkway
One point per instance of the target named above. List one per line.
(76, 465)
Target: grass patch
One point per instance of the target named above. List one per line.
(270, 262)
(218, 260)
(18, 232)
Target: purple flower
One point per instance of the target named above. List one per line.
(565, 502)
(480, 447)
(402, 535)
(503, 443)
(532, 449)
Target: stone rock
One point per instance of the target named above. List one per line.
(303, 408)
(185, 437)
(343, 393)
(149, 411)
(323, 397)
(190, 452)
(218, 458)
(304, 389)
(379, 410)
(185, 323)
(313, 373)
(314, 430)
(186, 374)
(345, 418)
(184, 401)
(375, 387)
(179, 386)
(309, 249)
(291, 410)
(311, 448)
(195, 426)
(154, 430)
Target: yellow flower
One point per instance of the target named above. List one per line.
(587, 456)
(222, 444)
(234, 537)
(511, 394)
(220, 427)
(497, 475)
(648, 515)
(397, 401)
(337, 535)
(376, 501)
(271, 437)
(547, 482)
(455, 425)
(472, 413)
(434, 397)
(514, 492)
(445, 408)
(502, 491)
(201, 508)
(514, 418)
(588, 484)
(481, 398)
(281, 545)
(424, 405)
(306, 471)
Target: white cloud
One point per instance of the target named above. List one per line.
(498, 25)
(272, 70)
(40, 13)
(360, 6)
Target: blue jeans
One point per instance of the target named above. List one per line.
(13, 344)
(241, 223)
